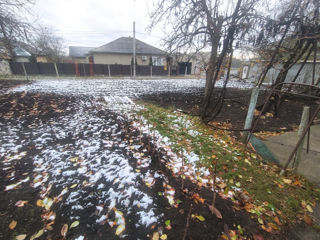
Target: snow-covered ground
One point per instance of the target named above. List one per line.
(121, 87)
(77, 150)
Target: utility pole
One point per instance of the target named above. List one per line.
(134, 50)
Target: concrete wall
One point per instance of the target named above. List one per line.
(125, 59)
(305, 75)
(22, 59)
(80, 60)
(5, 68)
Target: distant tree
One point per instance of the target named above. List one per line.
(46, 43)
(33, 58)
(14, 29)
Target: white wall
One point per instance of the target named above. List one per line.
(5, 68)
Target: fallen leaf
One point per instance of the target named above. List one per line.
(37, 235)
(155, 236)
(258, 237)
(21, 237)
(260, 221)
(74, 185)
(287, 181)
(40, 203)
(47, 203)
(164, 236)
(307, 219)
(276, 219)
(267, 229)
(197, 197)
(120, 229)
(215, 211)
(12, 225)
(309, 208)
(21, 203)
(200, 218)
(167, 222)
(64, 230)
(74, 224)
(222, 185)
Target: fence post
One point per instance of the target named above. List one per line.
(109, 70)
(55, 67)
(302, 126)
(150, 70)
(169, 70)
(91, 69)
(76, 67)
(84, 69)
(186, 71)
(24, 70)
(250, 113)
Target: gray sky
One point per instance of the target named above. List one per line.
(97, 22)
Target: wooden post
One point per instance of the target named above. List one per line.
(300, 140)
(109, 70)
(24, 70)
(302, 127)
(250, 113)
(55, 67)
(169, 70)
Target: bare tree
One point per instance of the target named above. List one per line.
(199, 24)
(289, 37)
(48, 44)
(14, 29)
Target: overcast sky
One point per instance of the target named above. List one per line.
(97, 22)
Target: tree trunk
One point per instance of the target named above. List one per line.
(210, 71)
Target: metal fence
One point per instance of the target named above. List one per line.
(83, 69)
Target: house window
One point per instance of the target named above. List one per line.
(157, 61)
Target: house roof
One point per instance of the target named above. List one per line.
(79, 51)
(124, 45)
(20, 52)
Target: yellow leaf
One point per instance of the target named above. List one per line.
(247, 161)
(47, 203)
(37, 235)
(21, 237)
(40, 203)
(74, 185)
(64, 230)
(260, 221)
(201, 218)
(12, 225)
(287, 181)
(222, 185)
(309, 208)
(74, 224)
(164, 236)
(73, 159)
(155, 236)
(120, 229)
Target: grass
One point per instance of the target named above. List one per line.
(272, 196)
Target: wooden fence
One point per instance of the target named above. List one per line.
(83, 69)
